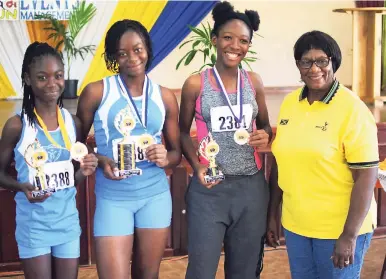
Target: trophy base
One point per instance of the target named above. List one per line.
(128, 173)
(40, 193)
(214, 176)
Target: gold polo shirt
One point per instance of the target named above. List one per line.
(315, 147)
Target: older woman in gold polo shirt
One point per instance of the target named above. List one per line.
(326, 151)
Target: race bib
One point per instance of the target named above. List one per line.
(140, 154)
(59, 175)
(223, 120)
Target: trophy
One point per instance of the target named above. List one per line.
(208, 148)
(36, 157)
(125, 158)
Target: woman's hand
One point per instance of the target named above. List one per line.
(272, 233)
(27, 188)
(259, 139)
(88, 164)
(109, 168)
(344, 251)
(157, 154)
(201, 171)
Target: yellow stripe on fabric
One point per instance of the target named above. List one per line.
(146, 12)
(6, 88)
(37, 33)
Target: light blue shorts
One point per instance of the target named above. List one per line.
(117, 218)
(68, 250)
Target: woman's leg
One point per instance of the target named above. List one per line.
(152, 222)
(66, 260)
(65, 268)
(207, 213)
(149, 247)
(36, 262)
(113, 232)
(300, 255)
(244, 238)
(113, 255)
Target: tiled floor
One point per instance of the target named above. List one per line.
(275, 265)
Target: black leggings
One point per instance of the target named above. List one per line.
(232, 213)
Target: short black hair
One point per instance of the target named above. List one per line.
(224, 12)
(35, 51)
(319, 40)
(113, 36)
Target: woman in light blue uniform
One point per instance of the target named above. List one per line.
(47, 226)
(137, 207)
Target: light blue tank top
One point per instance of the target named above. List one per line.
(54, 221)
(153, 180)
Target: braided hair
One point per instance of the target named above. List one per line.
(113, 37)
(224, 12)
(34, 52)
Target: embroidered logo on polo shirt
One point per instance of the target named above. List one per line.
(284, 121)
(324, 127)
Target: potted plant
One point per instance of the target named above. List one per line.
(81, 14)
(201, 43)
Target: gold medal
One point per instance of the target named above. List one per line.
(145, 140)
(241, 136)
(78, 151)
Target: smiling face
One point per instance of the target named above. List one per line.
(132, 54)
(46, 78)
(316, 78)
(232, 42)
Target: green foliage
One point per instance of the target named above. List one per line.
(201, 43)
(81, 14)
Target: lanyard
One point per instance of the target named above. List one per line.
(225, 94)
(62, 128)
(145, 93)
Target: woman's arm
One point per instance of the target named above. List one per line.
(360, 201)
(88, 164)
(190, 91)
(189, 94)
(263, 135)
(88, 104)
(10, 136)
(171, 156)
(276, 196)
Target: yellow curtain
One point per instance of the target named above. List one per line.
(6, 88)
(36, 31)
(146, 12)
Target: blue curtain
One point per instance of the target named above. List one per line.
(171, 26)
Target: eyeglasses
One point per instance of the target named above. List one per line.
(307, 64)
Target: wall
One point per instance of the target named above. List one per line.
(282, 22)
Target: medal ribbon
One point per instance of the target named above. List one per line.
(62, 128)
(225, 94)
(145, 93)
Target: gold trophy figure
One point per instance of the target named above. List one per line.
(125, 123)
(36, 157)
(209, 148)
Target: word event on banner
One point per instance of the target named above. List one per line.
(29, 9)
